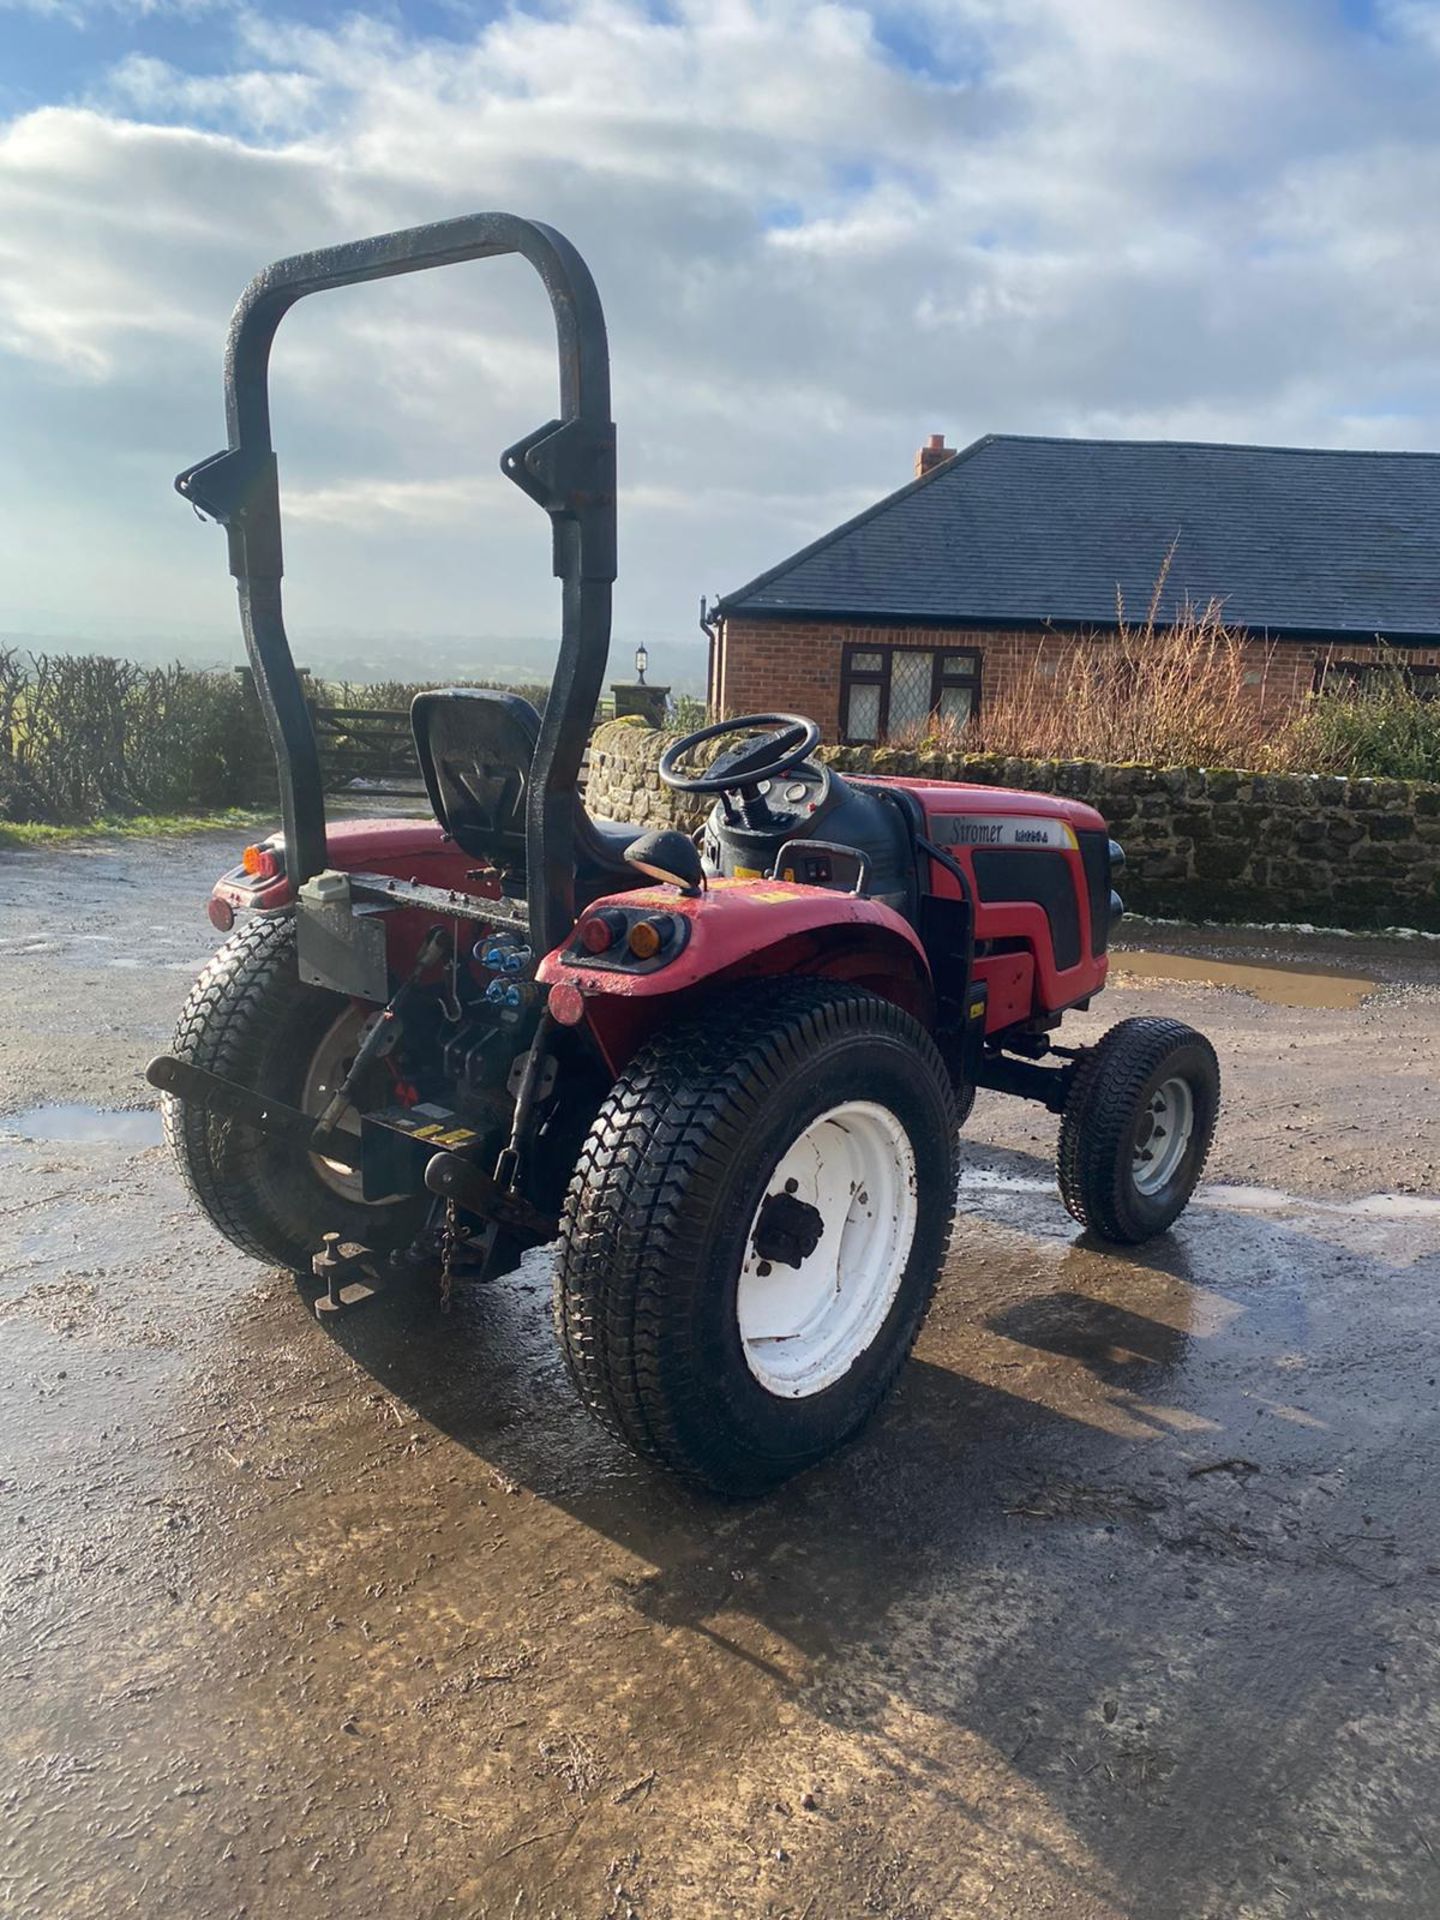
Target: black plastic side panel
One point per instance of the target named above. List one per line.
(1095, 852)
(946, 932)
(1010, 873)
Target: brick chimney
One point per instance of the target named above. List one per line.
(933, 454)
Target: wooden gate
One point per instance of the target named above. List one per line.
(373, 747)
(367, 747)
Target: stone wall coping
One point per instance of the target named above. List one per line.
(636, 744)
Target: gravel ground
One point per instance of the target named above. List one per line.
(1126, 1605)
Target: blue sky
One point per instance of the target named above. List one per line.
(822, 231)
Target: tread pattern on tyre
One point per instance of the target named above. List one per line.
(631, 1222)
(1098, 1121)
(239, 1016)
(216, 1030)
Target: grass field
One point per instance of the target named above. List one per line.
(144, 826)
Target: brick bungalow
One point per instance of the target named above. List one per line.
(929, 601)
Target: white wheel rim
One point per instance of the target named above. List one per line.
(332, 1061)
(1162, 1136)
(803, 1326)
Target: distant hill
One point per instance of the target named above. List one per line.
(679, 664)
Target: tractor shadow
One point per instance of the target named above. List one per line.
(1085, 1532)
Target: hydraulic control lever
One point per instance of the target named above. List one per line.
(379, 1040)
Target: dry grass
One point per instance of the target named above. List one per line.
(1196, 694)
(1168, 695)
(1187, 696)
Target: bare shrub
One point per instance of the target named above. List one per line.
(1172, 695)
(395, 695)
(83, 735)
(1186, 695)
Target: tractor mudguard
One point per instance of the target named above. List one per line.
(408, 849)
(740, 930)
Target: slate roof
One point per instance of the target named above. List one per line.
(1019, 531)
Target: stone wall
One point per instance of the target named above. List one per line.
(1201, 844)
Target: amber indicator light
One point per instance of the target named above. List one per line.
(647, 937)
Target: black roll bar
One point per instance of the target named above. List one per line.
(567, 466)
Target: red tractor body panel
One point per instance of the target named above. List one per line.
(738, 930)
(1021, 853)
(403, 849)
(400, 849)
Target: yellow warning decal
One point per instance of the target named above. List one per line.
(747, 873)
(456, 1138)
(426, 1133)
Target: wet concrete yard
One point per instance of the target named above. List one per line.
(1125, 1606)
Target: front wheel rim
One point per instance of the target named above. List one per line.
(827, 1249)
(1162, 1135)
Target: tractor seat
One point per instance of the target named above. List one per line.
(475, 746)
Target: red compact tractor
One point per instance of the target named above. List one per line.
(726, 1073)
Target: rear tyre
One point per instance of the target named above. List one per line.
(1137, 1128)
(251, 1018)
(754, 1230)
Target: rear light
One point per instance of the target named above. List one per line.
(647, 937)
(599, 931)
(610, 937)
(261, 863)
(222, 914)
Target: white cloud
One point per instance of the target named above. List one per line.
(258, 99)
(1214, 218)
(368, 504)
(77, 12)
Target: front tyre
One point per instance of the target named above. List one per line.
(251, 1018)
(1137, 1128)
(754, 1231)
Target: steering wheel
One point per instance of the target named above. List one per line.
(742, 767)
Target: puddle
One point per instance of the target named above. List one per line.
(1251, 1199)
(1236, 1199)
(1372, 1206)
(1394, 1206)
(1280, 984)
(86, 1126)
